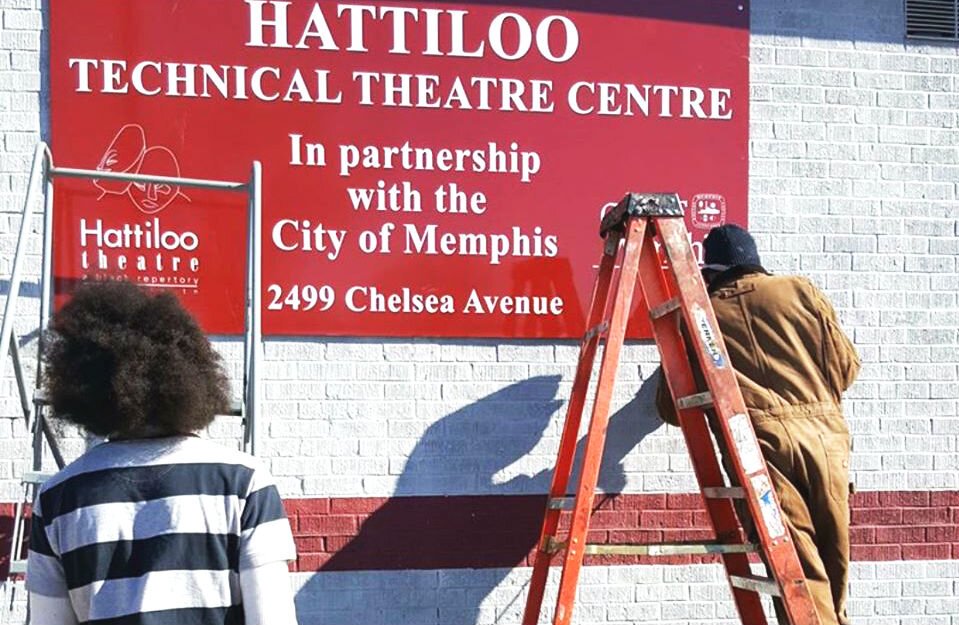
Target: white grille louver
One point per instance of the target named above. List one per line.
(932, 19)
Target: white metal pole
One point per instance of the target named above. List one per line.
(246, 403)
(46, 278)
(93, 174)
(9, 308)
(46, 304)
(256, 302)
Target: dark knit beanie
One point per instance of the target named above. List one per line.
(730, 245)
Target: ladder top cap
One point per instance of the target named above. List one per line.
(641, 205)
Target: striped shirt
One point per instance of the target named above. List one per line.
(155, 531)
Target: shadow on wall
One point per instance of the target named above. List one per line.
(27, 289)
(387, 573)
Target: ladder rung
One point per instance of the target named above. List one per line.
(597, 329)
(754, 583)
(696, 401)
(723, 492)
(18, 567)
(562, 503)
(669, 549)
(35, 477)
(664, 309)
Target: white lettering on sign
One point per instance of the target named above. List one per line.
(371, 299)
(513, 305)
(430, 241)
(401, 90)
(629, 100)
(270, 27)
(147, 253)
(291, 235)
(149, 235)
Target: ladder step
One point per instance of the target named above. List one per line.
(696, 401)
(723, 492)
(35, 477)
(669, 549)
(754, 583)
(595, 330)
(659, 550)
(562, 503)
(664, 309)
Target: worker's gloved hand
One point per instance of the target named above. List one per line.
(664, 400)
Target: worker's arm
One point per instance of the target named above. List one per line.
(46, 582)
(841, 360)
(266, 545)
(51, 610)
(267, 596)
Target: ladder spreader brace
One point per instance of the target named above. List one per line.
(35, 408)
(675, 298)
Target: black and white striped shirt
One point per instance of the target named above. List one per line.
(156, 531)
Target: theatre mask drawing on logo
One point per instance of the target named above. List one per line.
(128, 153)
(124, 155)
(152, 197)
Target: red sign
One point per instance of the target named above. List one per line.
(430, 169)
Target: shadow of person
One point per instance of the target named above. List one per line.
(410, 561)
(627, 427)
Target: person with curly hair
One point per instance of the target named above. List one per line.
(154, 526)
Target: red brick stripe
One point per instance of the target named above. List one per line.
(500, 530)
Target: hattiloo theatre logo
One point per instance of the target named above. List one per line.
(146, 251)
(148, 233)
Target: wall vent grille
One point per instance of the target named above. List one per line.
(932, 19)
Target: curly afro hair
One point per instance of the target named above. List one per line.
(125, 364)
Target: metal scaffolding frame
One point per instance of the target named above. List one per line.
(35, 408)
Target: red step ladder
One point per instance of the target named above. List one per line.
(672, 293)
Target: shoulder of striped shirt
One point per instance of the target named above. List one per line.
(147, 452)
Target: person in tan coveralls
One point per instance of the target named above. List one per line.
(793, 362)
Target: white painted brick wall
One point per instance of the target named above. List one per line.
(854, 176)
(911, 593)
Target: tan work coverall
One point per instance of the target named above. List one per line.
(793, 363)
